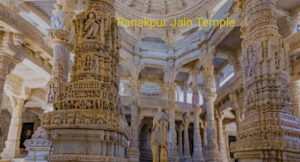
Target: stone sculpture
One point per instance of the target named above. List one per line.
(159, 138)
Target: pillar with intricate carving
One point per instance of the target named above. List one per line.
(269, 131)
(211, 153)
(133, 153)
(88, 108)
(59, 36)
(12, 144)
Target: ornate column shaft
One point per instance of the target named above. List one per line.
(61, 49)
(12, 144)
(212, 153)
(186, 146)
(268, 131)
(88, 107)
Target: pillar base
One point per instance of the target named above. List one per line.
(83, 145)
(186, 159)
(133, 154)
(11, 150)
(173, 155)
(198, 157)
(213, 155)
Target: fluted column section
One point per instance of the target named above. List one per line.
(12, 144)
(212, 153)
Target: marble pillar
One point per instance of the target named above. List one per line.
(12, 144)
(222, 140)
(212, 153)
(269, 130)
(59, 36)
(197, 151)
(172, 148)
(186, 145)
(133, 153)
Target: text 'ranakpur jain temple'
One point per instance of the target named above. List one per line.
(77, 87)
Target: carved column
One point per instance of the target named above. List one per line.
(197, 152)
(61, 48)
(172, 149)
(133, 153)
(295, 96)
(222, 140)
(197, 146)
(211, 153)
(12, 144)
(186, 146)
(269, 131)
(88, 108)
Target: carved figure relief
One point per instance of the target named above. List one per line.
(91, 27)
(57, 20)
(52, 93)
(251, 61)
(146, 5)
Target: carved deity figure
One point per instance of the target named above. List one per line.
(52, 93)
(57, 20)
(159, 138)
(91, 26)
(251, 61)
